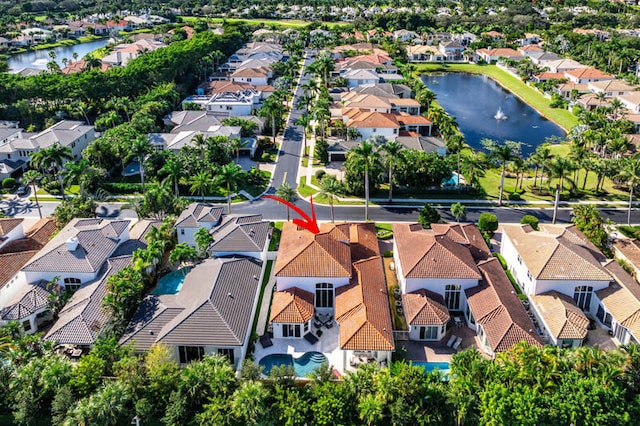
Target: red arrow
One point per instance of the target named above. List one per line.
(309, 223)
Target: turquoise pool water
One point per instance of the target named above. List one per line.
(442, 367)
(132, 168)
(452, 181)
(171, 283)
(303, 365)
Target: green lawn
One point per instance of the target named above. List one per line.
(528, 94)
(287, 23)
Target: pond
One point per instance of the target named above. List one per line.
(39, 58)
(483, 109)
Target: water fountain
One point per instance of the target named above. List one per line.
(500, 115)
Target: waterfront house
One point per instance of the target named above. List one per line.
(491, 56)
(611, 88)
(586, 75)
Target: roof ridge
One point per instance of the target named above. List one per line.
(305, 248)
(553, 252)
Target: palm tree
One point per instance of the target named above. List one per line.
(366, 155)
(458, 210)
(331, 187)
(630, 173)
(173, 169)
(502, 154)
(53, 157)
(287, 193)
(201, 182)
(183, 253)
(304, 121)
(455, 143)
(272, 110)
(473, 164)
(236, 144)
(82, 173)
(139, 149)
(559, 169)
(392, 150)
(30, 177)
(229, 175)
(201, 144)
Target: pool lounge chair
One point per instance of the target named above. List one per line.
(451, 340)
(456, 345)
(265, 341)
(311, 338)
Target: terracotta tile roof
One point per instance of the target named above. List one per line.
(41, 231)
(373, 119)
(423, 253)
(530, 48)
(293, 306)
(406, 119)
(629, 248)
(556, 252)
(362, 309)
(11, 263)
(424, 307)
(496, 307)
(223, 86)
(612, 85)
(493, 34)
(622, 298)
(81, 65)
(9, 224)
(503, 51)
(250, 72)
(550, 76)
(303, 254)
(561, 315)
(588, 73)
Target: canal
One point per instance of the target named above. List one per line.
(39, 58)
(483, 109)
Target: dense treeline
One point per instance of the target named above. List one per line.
(525, 386)
(30, 98)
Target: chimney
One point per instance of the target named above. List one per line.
(72, 244)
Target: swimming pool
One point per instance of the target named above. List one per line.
(131, 169)
(171, 283)
(453, 180)
(303, 365)
(442, 367)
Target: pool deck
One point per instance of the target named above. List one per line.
(328, 344)
(438, 351)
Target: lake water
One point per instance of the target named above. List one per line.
(39, 58)
(474, 100)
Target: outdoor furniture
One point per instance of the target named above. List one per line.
(456, 345)
(311, 338)
(329, 324)
(457, 321)
(265, 341)
(317, 324)
(451, 340)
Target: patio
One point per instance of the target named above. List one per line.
(438, 351)
(328, 344)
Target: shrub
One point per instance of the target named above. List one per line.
(266, 157)
(428, 215)
(513, 196)
(530, 220)
(488, 223)
(8, 183)
(320, 174)
(322, 150)
(388, 253)
(122, 187)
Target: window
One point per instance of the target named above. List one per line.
(324, 295)
(429, 333)
(306, 327)
(472, 320)
(620, 333)
(604, 317)
(452, 297)
(582, 296)
(290, 330)
(181, 231)
(529, 275)
(229, 353)
(190, 353)
(26, 325)
(519, 260)
(72, 284)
